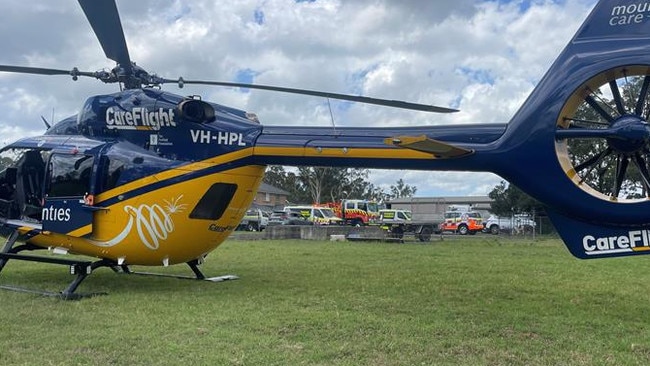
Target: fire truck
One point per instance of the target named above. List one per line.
(462, 220)
(356, 212)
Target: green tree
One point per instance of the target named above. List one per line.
(402, 190)
(507, 200)
(277, 176)
(328, 184)
(321, 184)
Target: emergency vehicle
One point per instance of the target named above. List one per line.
(400, 222)
(355, 212)
(462, 220)
(317, 215)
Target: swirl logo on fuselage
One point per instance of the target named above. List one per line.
(153, 223)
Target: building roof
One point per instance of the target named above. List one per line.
(267, 188)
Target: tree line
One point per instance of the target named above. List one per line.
(329, 184)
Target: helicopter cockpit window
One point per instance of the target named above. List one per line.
(70, 175)
(9, 172)
(22, 172)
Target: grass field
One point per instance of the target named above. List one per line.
(484, 301)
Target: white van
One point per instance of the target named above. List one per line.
(317, 215)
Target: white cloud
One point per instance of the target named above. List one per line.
(481, 56)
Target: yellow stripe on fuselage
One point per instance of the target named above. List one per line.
(84, 230)
(355, 153)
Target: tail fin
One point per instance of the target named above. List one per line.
(616, 33)
(583, 163)
(616, 20)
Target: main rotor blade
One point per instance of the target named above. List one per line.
(33, 70)
(105, 21)
(41, 71)
(353, 98)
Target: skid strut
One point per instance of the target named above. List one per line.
(79, 268)
(11, 240)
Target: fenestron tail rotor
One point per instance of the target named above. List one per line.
(603, 137)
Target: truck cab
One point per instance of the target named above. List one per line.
(393, 216)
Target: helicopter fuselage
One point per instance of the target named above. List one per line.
(148, 177)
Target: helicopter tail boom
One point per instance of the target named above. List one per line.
(424, 148)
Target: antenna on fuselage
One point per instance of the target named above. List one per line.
(329, 105)
(47, 125)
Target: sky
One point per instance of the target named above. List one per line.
(481, 57)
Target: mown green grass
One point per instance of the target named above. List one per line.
(484, 301)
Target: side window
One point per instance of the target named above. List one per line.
(214, 202)
(69, 175)
(112, 168)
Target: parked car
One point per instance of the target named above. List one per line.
(254, 220)
(294, 218)
(277, 218)
(462, 222)
(287, 218)
(515, 224)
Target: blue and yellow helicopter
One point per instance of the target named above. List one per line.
(147, 177)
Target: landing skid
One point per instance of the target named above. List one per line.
(81, 269)
(198, 275)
